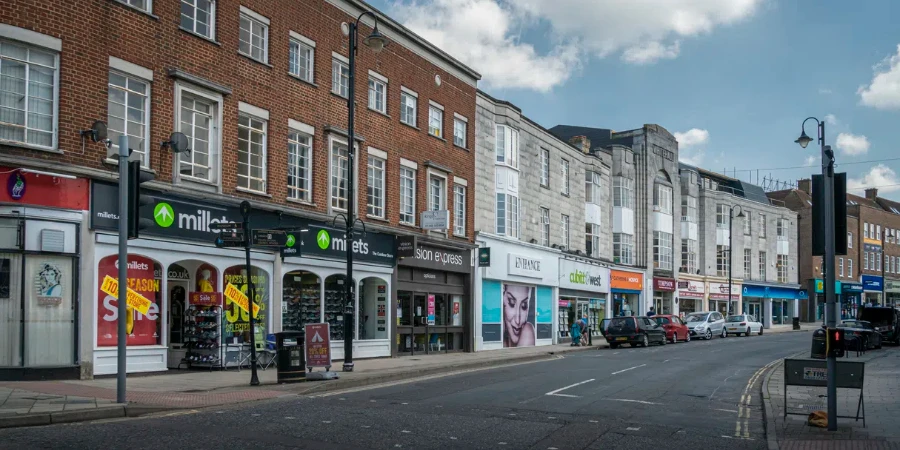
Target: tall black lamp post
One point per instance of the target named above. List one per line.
(730, 250)
(827, 198)
(375, 41)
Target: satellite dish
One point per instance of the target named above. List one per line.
(98, 132)
(177, 142)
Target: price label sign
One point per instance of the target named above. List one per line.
(135, 300)
(240, 299)
(318, 345)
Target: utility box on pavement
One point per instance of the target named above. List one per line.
(291, 358)
(819, 339)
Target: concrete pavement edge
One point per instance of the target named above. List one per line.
(768, 410)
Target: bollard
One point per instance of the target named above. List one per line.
(590, 336)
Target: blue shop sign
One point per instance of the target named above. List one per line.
(872, 283)
(851, 288)
(751, 290)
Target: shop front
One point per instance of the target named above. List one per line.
(718, 298)
(892, 292)
(176, 265)
(41, 218)
(314, 287)
(851, 299)
(873, 287)
(812, 308)
(691, 295)
(771, 304)
(584, 290)
(664, 300)
(432, 298)
(626, 288)
(514, 302)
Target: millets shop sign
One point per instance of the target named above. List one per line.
(331, 243)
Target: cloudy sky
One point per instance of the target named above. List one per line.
(733, 79)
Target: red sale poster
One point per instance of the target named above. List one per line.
(142, 329)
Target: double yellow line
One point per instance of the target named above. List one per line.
(742, 426)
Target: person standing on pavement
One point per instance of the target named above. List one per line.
(651, 313)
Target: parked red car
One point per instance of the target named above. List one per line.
(676, 330)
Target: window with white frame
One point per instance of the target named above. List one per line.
(866, 230)
(865, 260)
(564, 174)
(198, 16)
(437, 200)
(299, 166)
(747, 221)
(762, 225)
(436, 120)
(28, 95)
(689, 209)
(407, 195)
(592, 188)
(301, 60)
(849, 267)
(623, 248)
(340, 76)
(545, 227)
(748, 258)
(623, 192)
(507, 146)
(251, 167)
(143, 5)
(762, 266)
(459, 210)
(508, 215)
(198, 117)
(662, 198)
(565, 231)
(849, 239)
(408, 107)
(545, 167)
(459, 131)
(592, 239)
(722, 216)
(340, 175)
(689, 255)
(375, 187)
(781, 229)
(377, 92)
(128, 112)
(662, 250)
(723, 253)
(782, 265)
(877, 257)
(841, 266)
(254, 36)
(878, 232)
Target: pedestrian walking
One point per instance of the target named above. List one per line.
(651, 313)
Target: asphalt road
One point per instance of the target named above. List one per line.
(702, 395)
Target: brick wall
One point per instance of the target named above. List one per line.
(94, 30)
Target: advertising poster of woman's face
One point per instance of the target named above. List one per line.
(518, 316)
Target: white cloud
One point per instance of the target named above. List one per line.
(852, 144)
(691, 146)
(810, 161)
(487, 34)
(825, 91)
(884, 90)
(831, 119)
(881, 176)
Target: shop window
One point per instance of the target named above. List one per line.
(518, 306)
(373, 307)
(237, 320)
(335, 304)
(10, 309)
(142, 329)
(301, 300)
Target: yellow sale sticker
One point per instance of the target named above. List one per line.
(240, 299)
(135, 300)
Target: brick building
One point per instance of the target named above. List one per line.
(259, 90)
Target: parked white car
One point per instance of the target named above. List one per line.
(706, 324)
(742, 324)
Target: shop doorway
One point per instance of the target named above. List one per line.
(177, 291)
(755, 310)
(429, 323)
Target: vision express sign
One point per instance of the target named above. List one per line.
(177, 217)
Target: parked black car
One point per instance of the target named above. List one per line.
(865, 331)
(634, 330)
(885, 320)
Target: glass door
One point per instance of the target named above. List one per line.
(10, 309)
(405, 319)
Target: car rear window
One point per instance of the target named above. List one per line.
(662, 320)
(735, 318)
(621, 324)
(877, 316)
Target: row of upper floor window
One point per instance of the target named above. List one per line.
(872, 261)
(873, 231)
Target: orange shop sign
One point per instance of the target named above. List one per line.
(626, 280)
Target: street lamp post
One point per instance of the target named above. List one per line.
(730, 251)
(375, 41)
(884, 261)
(827, 198)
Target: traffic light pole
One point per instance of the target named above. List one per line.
(122, 305)
(831, 306)
(251, 292)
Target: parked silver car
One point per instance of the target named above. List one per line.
(706, 324)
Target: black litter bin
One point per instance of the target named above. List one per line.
(291, 357)
(796, 323)
(819, 344)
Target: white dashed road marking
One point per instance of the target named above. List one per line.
(626, 370)
(557, 392)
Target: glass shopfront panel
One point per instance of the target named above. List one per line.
(237, 320)
(781, 312)
(373, 304)
(301, 300)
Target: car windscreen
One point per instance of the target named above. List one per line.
(696, 318)
(621, 324)
(877, 316)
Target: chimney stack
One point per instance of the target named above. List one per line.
(582, 143)
(805, 185)
(871, 194)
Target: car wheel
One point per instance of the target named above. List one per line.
(687, 337)
(747, 334)
(760, 330)
(645, 342)
(724, 333)
(613, 346)
(708, 334)
(664, 340)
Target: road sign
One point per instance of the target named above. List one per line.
(269, 238)
(226, 226)
(230, 239)
(318, 345)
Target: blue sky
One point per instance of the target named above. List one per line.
(734, 78)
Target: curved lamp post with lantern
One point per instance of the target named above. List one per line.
(730, 250)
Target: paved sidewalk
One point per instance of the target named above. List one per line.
(881, 398)
(43, 402)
